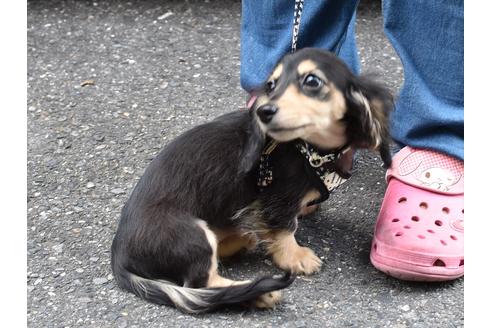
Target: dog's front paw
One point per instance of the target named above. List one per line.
(299, 260)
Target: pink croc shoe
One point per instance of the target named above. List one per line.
(419, 233)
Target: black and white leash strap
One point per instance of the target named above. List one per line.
(299, 6)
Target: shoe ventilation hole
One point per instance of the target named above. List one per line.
(406, 227)
(421, 236)
(443, 242)
(438, 223)
(430, 231)
(463, 211)
(375, 246)
(398, 234)
(462, 262)
(453, 237)
(439, 263)
(395, 220)
(445, 210)
(402, 200)
(415, 218)
(423, 205)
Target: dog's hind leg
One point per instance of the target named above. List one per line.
(267, 300)
(176, 264)
(214, 278)
(235, 242)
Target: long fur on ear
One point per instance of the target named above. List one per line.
(369, 107)
(253, 148)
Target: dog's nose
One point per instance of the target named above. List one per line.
(266, 112)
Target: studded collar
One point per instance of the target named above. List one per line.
(322, 166)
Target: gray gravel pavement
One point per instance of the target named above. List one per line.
(110, 83)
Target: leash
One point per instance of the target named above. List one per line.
(298, 6)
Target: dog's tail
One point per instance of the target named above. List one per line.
(197, 300)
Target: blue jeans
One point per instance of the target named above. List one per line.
(427, 35)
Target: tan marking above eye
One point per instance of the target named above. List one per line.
(306, 66)
(277, 72)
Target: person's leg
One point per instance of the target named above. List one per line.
(266, 34)
(419, 232)
(428, 37)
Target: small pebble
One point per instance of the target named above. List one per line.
(78, 209)
(166, 15)
(121, 322)
(117, 191)
(99, 137)
(58, 248)
(300, 324)
(99, 281)
(405, 307)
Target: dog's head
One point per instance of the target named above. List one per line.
(312, 95)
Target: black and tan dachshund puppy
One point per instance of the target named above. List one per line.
(199, 199)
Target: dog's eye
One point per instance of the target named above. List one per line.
(270, 86)
(312, 82)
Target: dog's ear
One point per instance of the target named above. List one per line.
(369, 105)
(253, 147)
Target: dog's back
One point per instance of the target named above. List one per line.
(199, 171)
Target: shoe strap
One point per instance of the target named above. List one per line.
(428, 169)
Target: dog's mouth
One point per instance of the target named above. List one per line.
(286, 129)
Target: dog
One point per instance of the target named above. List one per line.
(201, 198)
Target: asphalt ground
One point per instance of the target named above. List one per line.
(109, 84)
